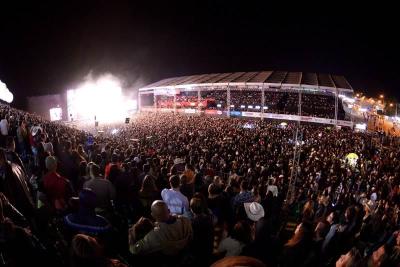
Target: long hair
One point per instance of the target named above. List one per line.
(148, 185)
(303, 234)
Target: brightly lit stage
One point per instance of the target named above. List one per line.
(100, 101)
(95, 102)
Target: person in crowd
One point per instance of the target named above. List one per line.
(4, 128)
(218, 204)
(169, 236)
(14, 185)
(244, 195)
(18, 247)
(350, 259)
(104, 189)
(203, 232)
(239, 237)
(114, 162)
(12, 156)
(297, 251)
(57, 188)
(22, 138)
(175, 200)
(87, 252)
(148, 192)
(85, 220)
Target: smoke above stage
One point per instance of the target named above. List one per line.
(100, 99)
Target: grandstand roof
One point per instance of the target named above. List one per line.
(269, 78)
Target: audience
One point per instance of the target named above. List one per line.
(194, 190)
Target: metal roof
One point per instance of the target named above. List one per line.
(282, 78)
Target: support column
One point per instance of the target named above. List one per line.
(139, 102)
(336, 107)
(299, 104)
(198, 100)
(174, 102)
(228, 100)
(262, 101)
(155, 102)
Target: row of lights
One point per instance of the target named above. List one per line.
(243, 106)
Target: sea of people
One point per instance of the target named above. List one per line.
(314, 105)
(174, 190)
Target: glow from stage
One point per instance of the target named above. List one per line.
(101, 100)
(5, 93)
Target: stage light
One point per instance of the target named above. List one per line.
(55, 114)
(101, 98)
(114, 131)
(5, 94)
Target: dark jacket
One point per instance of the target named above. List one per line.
(14, 185)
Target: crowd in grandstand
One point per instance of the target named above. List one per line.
(172, 190)
(314, 105)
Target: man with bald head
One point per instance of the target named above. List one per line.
(170, 235)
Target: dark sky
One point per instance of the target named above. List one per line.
(48, 47)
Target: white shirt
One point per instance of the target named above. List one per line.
(177, 203)
(231, 246)
(4, 127)
(273, 189)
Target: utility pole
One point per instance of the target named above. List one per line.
(298, 139)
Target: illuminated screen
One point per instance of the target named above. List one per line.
(55, 114)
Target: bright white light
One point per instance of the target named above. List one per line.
(190, 110)
(361, 126)
(55, 114)
(248, 126)
(5, 94)
(242, 106)
(114, 131)
(250, 106)
(192, 104)
(232, 106)
(101, 98)
(218, 105)
(265, 107)
(258, 107)
(362, 109)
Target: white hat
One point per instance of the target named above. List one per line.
(254, 211)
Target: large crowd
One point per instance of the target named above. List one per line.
(173, 190)
(314, 105)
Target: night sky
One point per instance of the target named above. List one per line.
(46, 48)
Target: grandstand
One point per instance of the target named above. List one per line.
(312, 97)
